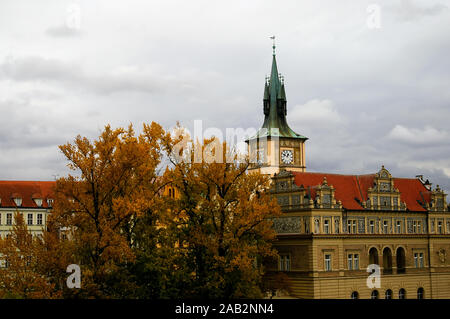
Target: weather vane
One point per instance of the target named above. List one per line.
(273, 45)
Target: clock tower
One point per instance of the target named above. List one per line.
(276, 146)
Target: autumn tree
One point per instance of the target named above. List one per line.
(222, 218)
(115, 183)
(21, 257)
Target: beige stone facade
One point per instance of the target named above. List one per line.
(332, 230)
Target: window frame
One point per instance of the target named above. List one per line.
(327, 262)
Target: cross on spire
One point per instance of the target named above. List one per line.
(273, 44)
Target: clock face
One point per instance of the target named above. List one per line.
(287, 157)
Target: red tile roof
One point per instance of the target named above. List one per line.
(27, 190)
(350, 189)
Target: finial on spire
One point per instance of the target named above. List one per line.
(273, 44)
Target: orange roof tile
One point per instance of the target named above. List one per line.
(350, 189)
(27, 190)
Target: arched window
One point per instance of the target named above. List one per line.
(373, 256)
(170, 192)
(402, 294)
(388, 294)
(420, 293)
(355, 295)
(400, 260)
(374, 294)
(387, 261)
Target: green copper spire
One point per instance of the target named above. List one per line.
(275, 106)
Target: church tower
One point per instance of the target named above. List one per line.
(276, 146)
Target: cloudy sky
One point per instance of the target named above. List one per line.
(367, 81)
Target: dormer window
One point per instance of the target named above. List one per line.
(18, 201)
(50, 202)
(38, 202)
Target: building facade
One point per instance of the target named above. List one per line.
(32, 199)
(349, 236)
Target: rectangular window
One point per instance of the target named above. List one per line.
(327, 262)
(421, 260)
(354, 226)
(372, 226)
(349, 226)
(416, 260)
(285, 263)
(350, 262)
(419, 227)
(439, 227)
(385, 226)
(326, 226)
(356, 261)
(414, 226)
(9, 219)
(399, 227)
(39, 219)
(30, 219)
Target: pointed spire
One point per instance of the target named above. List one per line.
(275, 104)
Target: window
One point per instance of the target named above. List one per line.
(356, 261)
(439, 227)
(327, 262)
(30, 219)
(39, 219)
(414, 226)
(372, 226)
(373, 256)
(374, 294)
(0, 219)
(38, 202)
(353, 261)
(354, 295)
(398, 227)
(50, 202)
(9, 219)
(388, 294)
(351, 226)
(400, 260)
(402, 294)
(420, 293)
(18, 201)
(385, 227)
(285, 263)
(419, 227)
(418, 260)
(387, 261)
(326, 226)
